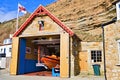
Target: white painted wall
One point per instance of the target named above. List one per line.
(6, 49)
(7, 41)
(118, 10)
(2, 49)
(3, 63)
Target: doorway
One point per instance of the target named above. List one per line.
(41, 64)
(83, 62)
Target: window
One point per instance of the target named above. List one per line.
(41, 25)
(1, 50)
(2, 55)
(119, 5)
(4, 50)
(5, 41)
(96, 56)
(10, 49)
(10, 41)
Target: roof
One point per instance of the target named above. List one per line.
(42, 11)
(115, 1)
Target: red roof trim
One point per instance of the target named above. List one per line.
(42, 10)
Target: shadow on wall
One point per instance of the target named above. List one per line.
(77, 66)
(76, 48)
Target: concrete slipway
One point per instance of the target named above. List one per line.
(4, 75)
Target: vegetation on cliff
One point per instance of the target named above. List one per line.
(84, 17)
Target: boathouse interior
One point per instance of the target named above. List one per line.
(42, 55)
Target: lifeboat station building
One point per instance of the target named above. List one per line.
(44, 44)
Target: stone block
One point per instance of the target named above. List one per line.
(114, 71)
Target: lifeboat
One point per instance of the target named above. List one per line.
(51, 61)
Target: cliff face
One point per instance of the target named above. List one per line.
(9, 27)
(84, 17)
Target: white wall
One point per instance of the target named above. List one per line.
(6, 49)
(2, 62)
(7, 41)
(2, 49)
(118, 10)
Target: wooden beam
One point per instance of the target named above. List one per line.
(47, 41)
(14, 59)
(38, 53)
(64, 55)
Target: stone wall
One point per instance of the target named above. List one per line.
(87, 47)
(50, 27)
(75, 53)
(112, 35)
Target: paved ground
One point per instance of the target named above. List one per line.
(4, 75)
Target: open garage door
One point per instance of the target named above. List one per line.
(39, 55)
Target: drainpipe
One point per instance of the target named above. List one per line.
(103, 39)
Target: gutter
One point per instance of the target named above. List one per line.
(115, 1)
(103, 39)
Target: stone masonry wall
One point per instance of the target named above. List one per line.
(112, 35)
(87, 47)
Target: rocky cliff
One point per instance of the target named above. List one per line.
(84, 17)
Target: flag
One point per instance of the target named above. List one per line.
(21, 9)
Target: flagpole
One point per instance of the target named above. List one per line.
(17, 19)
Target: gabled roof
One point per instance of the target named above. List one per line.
(42, 11)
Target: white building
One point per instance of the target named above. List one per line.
(5, 53)
(5, 49)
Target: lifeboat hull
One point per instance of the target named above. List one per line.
(50, 62)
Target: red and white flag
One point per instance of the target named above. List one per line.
(21, 9)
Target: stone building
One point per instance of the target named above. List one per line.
(5, 53)
(111, 41)
(112, 50)
(44, 34)
(91, 53)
